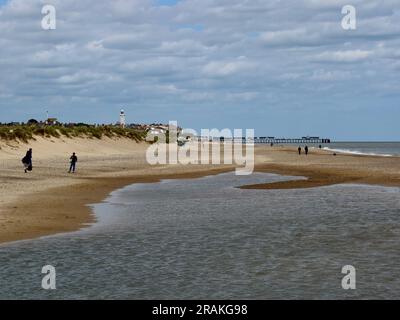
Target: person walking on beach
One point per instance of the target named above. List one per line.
(74, 160)
(299, 149)
(306, 150)
(27, 161)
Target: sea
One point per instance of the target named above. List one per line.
(206, 238)
(366, 148)
(385, 149)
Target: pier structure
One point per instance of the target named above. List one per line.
(303, 140)
(266, 140)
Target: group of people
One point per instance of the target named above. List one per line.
(305, 150)
(27, 162)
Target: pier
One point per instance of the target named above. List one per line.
(266, 140)
(303, 140)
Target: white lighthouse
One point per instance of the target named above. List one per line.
(122, 121)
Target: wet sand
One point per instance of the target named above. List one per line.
(322, 168)
(49, 200)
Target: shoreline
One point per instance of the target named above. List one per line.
(359, 153)
(326, 175)
(74, 215)
(51, 202)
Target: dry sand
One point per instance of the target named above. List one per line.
(48, 200)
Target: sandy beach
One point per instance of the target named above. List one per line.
(323, 168)
(49, 200)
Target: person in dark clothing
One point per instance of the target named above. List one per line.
(299, 149)
(306, 150)
(74, 160)
(27, 161)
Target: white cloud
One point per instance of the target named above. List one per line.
(344, 56)
(227, 68)
(324, 75)
(289, 37)
(206, 52)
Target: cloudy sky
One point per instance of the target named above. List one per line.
(283, 67)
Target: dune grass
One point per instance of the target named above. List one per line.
(28, 132)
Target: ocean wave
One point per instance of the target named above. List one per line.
(357, 152)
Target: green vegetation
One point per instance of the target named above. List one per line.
(28, 132)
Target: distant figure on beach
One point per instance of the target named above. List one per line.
(272, 144)
(320, 146)
(299, 149)
(27, 161)
(306, 150)
(74, 160)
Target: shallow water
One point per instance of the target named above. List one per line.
(204, 238)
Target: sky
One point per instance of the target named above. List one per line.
(285, 68)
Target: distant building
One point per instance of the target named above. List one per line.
(122, 121)
(51, 121)
(157, 130)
